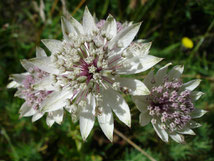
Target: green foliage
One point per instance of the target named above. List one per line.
(165, 23)
(134, 155)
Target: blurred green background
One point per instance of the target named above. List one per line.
(24, 23)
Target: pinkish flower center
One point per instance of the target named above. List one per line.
(89, 69)
(170, 106)
(32, 97)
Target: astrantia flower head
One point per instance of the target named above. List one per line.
(34, 97)
(169, 106)
(83, 72)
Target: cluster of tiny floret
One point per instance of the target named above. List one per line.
(33, 97)
(169, 106)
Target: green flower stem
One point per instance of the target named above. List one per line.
(134, 145)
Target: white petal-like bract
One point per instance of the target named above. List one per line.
(161, 132)
(87, 117)
(144, 119)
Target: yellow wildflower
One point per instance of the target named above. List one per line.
(187, 42)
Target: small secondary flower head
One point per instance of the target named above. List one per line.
(34, 97)
(169, 106)
(83, 71)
